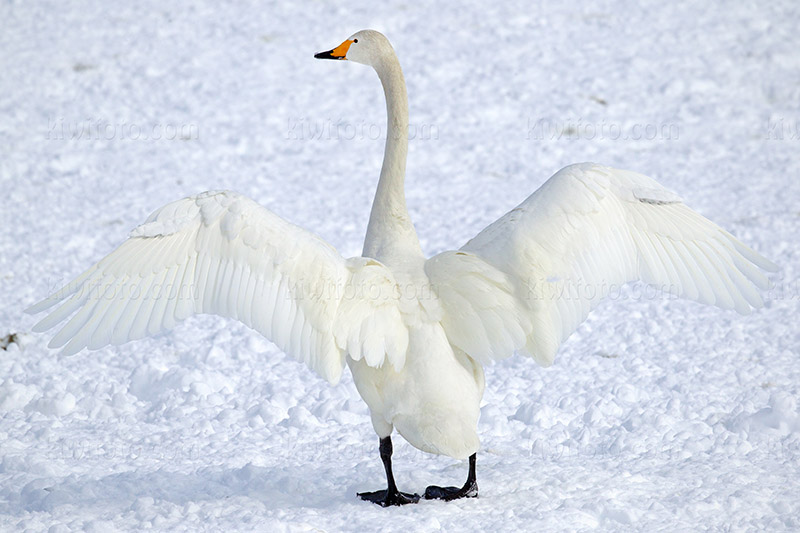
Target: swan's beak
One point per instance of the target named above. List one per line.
(340, 52)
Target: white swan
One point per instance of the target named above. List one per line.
(414, 332)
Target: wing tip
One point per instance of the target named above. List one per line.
(41, 305)
(769, 266)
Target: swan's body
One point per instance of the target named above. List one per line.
(413, 331)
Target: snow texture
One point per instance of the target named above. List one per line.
(658, 414)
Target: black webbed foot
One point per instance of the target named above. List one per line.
(384, 498)
(469, 490)
(390, 496)
(451, 493)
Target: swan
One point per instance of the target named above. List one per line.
(414, 331)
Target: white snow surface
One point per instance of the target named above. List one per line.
(658, 414)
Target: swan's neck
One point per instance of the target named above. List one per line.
(391, 237)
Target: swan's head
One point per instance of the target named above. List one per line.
(366, 47)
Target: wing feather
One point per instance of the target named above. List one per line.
(221, 253)
(587, 230)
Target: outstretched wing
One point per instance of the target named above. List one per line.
(221, 253)
(537, 271)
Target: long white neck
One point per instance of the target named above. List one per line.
(391, 237)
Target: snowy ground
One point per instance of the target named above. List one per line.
(658, 415)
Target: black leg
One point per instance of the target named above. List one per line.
(390, 496)
(469, 490)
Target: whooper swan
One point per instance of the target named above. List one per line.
(415, 332)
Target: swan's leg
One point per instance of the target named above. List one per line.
(390, 496)
(469, 490)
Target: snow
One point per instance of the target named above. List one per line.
(657, 414)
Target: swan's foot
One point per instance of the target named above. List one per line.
(385, 498)
(469, 490)
(390, 496)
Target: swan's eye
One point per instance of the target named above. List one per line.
(355, 40)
